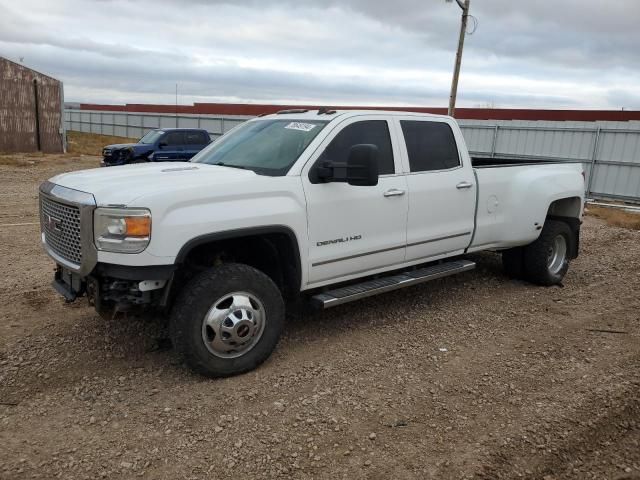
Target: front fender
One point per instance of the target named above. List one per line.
(140, 153)
(188, 215)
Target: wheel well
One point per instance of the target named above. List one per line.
(274, 253)
(566, 207)
(135, 156)
(568, 210)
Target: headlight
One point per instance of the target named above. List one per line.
(122, 230)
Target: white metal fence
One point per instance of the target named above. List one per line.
(610, 151)
(135, 125)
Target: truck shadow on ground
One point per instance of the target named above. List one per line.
(85, 344)
(371, 311)
(149, 333)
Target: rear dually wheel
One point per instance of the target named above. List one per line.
(546, 260)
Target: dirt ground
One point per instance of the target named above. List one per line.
(475, 376)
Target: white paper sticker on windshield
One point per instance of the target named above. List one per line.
(304, 127)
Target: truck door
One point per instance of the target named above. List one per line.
(442, 188)
(171, 147)
(352, 229)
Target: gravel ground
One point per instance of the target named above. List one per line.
(475, 376)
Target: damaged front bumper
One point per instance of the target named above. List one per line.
(117, 287)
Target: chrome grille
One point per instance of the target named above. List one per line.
(61, 227)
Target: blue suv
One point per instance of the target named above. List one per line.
(161, 145)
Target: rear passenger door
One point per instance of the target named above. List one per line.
(195, 141)
(442, 190)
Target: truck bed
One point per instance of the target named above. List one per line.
(513, 202)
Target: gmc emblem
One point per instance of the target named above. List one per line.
(53, 224)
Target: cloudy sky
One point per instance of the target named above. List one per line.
(524, 53)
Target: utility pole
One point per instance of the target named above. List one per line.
(176, 105)
(464, 5)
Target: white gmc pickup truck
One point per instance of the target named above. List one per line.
(325, 206)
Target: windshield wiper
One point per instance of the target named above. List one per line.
(222, 164)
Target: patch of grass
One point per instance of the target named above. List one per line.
(92, 143)
(25, 160)
(21, 159)
(78, 143)
(615, 216)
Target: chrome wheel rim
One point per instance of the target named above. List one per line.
(233, 325)
(557, 254)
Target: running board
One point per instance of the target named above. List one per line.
(369, 288)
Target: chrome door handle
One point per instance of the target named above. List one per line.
(462, 185)
(394, 192)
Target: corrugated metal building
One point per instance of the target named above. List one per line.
(31, 104)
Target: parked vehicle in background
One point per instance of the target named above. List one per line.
(326, 207)
(161, 145)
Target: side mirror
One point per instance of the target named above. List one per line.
(362, 165)
(163, 144)
(361, 168)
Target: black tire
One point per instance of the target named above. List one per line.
(513, 262)
(537, 254)
(129, 157)
(198, 297)
(106, 314)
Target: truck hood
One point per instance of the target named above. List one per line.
(122, 185)
(117, 146)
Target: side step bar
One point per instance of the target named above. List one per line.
(369, 288)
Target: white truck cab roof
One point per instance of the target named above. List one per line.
(329, 114)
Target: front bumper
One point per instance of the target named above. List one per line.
(112, 158)
(68, 284)
(67, 236)
(116, 286)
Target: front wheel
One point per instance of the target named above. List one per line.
(227, 320)
(546, 260)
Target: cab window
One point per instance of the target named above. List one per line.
(196, 138)
(174, 138)
(374, 132)
(430, 145)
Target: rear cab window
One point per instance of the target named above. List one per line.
(196, 138)
(431, 146)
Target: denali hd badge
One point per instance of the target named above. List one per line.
(339, 240)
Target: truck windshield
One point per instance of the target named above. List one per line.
(151, 137)
(268, 147)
